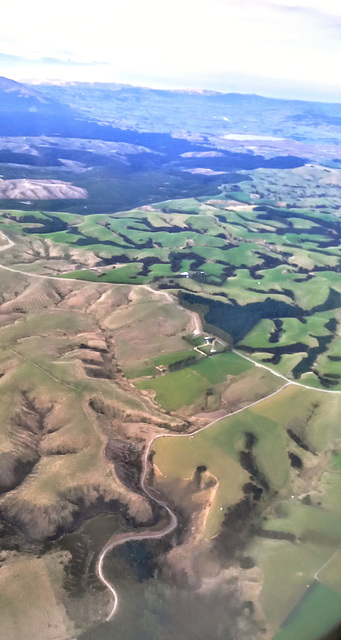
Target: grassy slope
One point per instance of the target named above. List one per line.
(287, 568)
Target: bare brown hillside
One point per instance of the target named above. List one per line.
(25, 189)
(72, 431)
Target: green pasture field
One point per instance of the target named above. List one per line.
(233, 253)
(260, 334)
(301, 223)
(326, 367)
(213, 268)
(292, 331)
(311, 380)
(289, 361)
(295, 404)
(317, 613)
(289, 567)
(20, 216)
(196, 378)
(190, 205)
(249, 257)
(160, 271)
(288, 571)
(310, 524)
(239, 196)
(178, 458)
(330, 487)
(216, 368)
(176, 389)
(335, 461)
(270, 449)
(139, 371)
(243, 255)
(149, 368)
(331, 573)
(218, 448)
(125, 274)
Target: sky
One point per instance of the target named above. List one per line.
(284, 48)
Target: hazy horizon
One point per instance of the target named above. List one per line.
(253, 87)
(277, 48)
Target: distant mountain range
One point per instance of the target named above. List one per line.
(127, 146)
(8, 86)
(92, 110)
(26, 111)
(17, 97)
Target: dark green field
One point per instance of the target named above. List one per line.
(265, 275)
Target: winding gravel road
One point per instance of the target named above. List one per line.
(120, 539)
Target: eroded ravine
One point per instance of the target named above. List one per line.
(148, 534)
(120, 539)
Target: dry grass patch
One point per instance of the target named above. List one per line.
(28, 604)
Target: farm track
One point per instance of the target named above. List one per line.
(280, 375)
(198, 328)
(121, 539)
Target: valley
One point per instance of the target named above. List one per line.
(170, 354)
(191, 381)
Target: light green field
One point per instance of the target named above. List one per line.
(335, 461)
(230, 244)
(288, 570)
(270, 449)
(309, 524)
(331, 573)
(179, 388)
(218, 448)
(260, 334)
(120, 275)
(287, 567)
(148, 333)
(216, 368)
(330, 491)
(318, 612)
(178, 458)
(165, 359)
(176, 389)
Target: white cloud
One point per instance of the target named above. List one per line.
(179, 38)
(329, 7)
